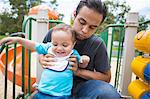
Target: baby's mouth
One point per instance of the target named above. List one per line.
(60, 53)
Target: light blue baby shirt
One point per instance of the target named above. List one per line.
(53, 82)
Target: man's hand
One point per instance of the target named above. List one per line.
(73, 62)
(46, 60)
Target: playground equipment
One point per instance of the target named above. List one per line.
(41, 14)
(18, 66)
(140, 88)
(41, 20)
(142, 41)
(51, 13)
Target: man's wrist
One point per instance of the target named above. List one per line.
(77, 72)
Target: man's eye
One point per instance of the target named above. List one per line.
(82, 22)
(92, 28)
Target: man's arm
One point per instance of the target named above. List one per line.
(87, 74)
(100, 63)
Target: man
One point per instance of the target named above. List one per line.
(91, 82)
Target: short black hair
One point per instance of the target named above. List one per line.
(96, 5)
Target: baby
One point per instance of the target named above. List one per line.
(56, 80)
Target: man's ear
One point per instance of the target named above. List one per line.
(75, 13)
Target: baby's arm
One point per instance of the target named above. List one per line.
(84, 61)
(25, 42)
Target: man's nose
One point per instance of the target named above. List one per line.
(85, 29)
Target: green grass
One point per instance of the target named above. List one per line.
(115, 48)
(2, 36)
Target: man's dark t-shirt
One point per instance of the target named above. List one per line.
(93, 47)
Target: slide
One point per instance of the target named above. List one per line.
(18, 66)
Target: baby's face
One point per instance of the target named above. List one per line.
(62, 43)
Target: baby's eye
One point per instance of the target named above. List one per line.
(64, 45)
(54, 44)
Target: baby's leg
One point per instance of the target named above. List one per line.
(32, 95)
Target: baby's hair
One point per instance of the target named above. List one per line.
(66, 28)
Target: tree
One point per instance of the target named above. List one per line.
(15, 17)
(116, 13)
(142, 26)
(54, 5)
(6, 25)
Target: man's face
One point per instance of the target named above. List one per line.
(86, 22)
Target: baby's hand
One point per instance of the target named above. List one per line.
(9, 40)
(84, 61)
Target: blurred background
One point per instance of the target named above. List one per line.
(12, 12)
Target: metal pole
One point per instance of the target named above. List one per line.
(129, 52)
(42, 29)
